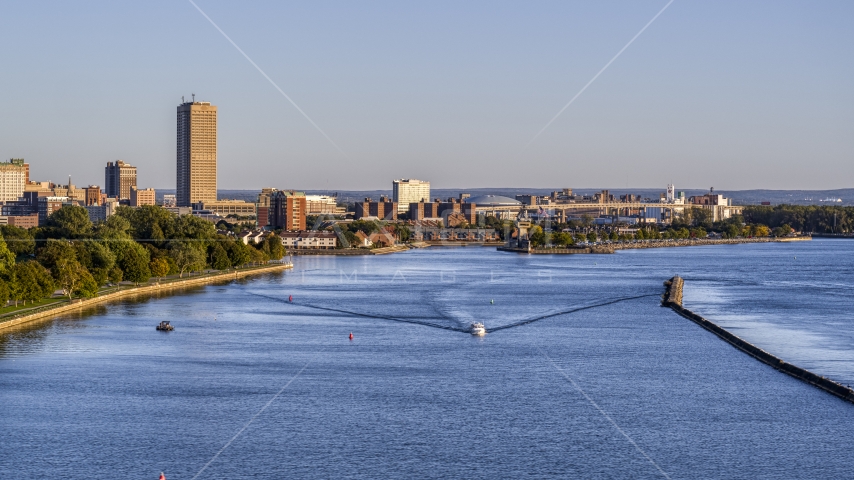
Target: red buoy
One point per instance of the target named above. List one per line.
(290, 298)
(351, 335)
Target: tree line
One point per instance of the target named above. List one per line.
(136, 244)
(803, 218)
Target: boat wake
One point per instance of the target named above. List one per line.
(567, 312)
(452, 327)
(364, 315)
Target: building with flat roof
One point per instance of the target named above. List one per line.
(93, 195)
(140, 197)
(385, 209)
(100, 213)
(196, 153)
(287, 210)
(48, 205)
(23, 163)
(315, 239)
(118, 178)
(424, 211)
(225, 208)
(323, 205)
(409, 190)
(20, 221)
(720, 206)
(13, 179)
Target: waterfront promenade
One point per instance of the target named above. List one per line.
(123, 291)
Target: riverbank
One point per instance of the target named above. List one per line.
(672, 298)
(65, 306)
(348, 251)
(448, 243)
(573, 250)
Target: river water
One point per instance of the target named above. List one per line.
(251, 385)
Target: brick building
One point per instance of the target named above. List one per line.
(384, 209)
(287, 210)
(93, 195)
(424, 210)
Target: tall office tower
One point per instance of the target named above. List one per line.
(118, 178)
(406, 191)
(13, 178)
(196, 180)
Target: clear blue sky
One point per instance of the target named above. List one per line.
(729, 94)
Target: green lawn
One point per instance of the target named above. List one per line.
(12, 309)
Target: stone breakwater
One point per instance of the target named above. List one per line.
(613, 247)
(77, 305)
(673, 298)
(690, 242)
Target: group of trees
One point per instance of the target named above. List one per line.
(539, 237)
(22, 281)
(808, 218)
(572, 234)
(79, 257)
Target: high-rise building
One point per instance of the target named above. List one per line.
(118, 178)
(13, 178)
(406, 191)
(196, 175)
(287, 210)
(281, 209)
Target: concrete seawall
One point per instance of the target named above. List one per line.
(673, 298)
(80, 304)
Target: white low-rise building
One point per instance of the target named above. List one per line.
(254, 236)
(309, 239)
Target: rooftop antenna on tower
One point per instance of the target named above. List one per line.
(182, 99)
(194, 98)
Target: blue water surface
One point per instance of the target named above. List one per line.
(250, 385)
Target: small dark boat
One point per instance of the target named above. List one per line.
(165, 327)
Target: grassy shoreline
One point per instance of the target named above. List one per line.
(53, 306)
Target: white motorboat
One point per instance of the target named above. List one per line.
(478, 329)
